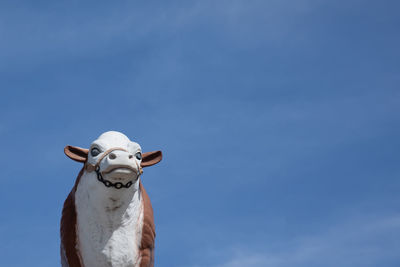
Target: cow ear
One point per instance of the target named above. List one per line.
(151, 158)
(76, 153)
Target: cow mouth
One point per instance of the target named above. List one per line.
(120, 172)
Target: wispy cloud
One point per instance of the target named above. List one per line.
(33, 36)
(358, 242)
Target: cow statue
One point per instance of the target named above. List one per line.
(107, 219)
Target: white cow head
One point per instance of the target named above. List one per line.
(117, 161)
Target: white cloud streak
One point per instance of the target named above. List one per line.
(48, 34)
(358, 242)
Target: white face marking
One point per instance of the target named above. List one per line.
(110, 220)
(118, 165)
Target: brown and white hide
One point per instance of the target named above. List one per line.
(109, 226)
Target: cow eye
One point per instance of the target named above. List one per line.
(95, 151)
(138, 155)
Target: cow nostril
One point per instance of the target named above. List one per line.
(130, 156)
(112, 156)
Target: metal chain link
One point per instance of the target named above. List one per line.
(107, 183)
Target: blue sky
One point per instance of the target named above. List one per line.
(279, 122)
